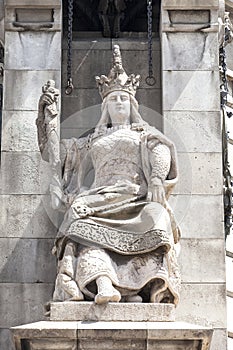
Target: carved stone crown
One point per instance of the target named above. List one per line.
(117, 78)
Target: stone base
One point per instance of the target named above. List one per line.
(88, 311)
(49, 335)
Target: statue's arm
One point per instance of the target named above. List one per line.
(160, 161)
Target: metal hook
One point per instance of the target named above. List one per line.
(150, 80)
(70, 87)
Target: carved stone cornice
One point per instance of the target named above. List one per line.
(44, 15)
(190, 4)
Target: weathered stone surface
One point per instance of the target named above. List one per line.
(28, 3)
(85, 118)
(203, 304)
(194, 131)
(28, 173)
(173, 344)
(26, 98)
(116, 335)
(88, 43)
(47, 329)
(191, 90)
(40, 15)
(84, 71)
(23, 302)
(190, 4)
(202, 260)
(6, 341)
(151, 98)
(19, 131)
(33, 51)
(189, 16)
(219, 340)
(27, 216)
(190, 51)
(79, 100)
(86, 311)
(27, 261)
(201, 174)
(190, 208)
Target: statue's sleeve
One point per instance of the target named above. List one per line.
(74, 162)
(160, 161)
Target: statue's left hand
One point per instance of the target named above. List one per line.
(158, 194)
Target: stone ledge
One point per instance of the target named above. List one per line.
(111, 335)
(34, 4)
(89, 311)
(190, 4)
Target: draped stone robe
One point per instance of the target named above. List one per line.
(115, 225)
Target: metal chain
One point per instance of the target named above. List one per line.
(228, 202)
(69, 87)
(223, 70)
(150, 79)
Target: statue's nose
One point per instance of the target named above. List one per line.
(118, 99)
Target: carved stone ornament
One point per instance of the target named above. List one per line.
(118, 237)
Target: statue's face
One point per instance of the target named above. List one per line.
(119, 107)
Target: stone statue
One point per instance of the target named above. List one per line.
(108, 9)
(117, 239)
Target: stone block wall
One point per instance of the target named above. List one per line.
(187, 94)
(27, 268)
(192, 119)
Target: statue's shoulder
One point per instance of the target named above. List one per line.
(152, 132)
(74, 143)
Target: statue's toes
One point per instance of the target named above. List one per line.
(116, 296)
(102, 298)
(108, 295)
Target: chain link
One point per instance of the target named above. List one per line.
(228, 203)
(150, 79)
(69, 87)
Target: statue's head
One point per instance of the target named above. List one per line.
(117, 91)
(118, 106)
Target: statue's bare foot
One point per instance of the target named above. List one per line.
(106, 291)
(104, 297)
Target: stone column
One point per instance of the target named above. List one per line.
(191, 109)
(27, 268)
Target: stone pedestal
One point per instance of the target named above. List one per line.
(113, 326)
(89, 311)
(70, 335)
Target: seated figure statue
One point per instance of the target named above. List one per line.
(117, 238)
